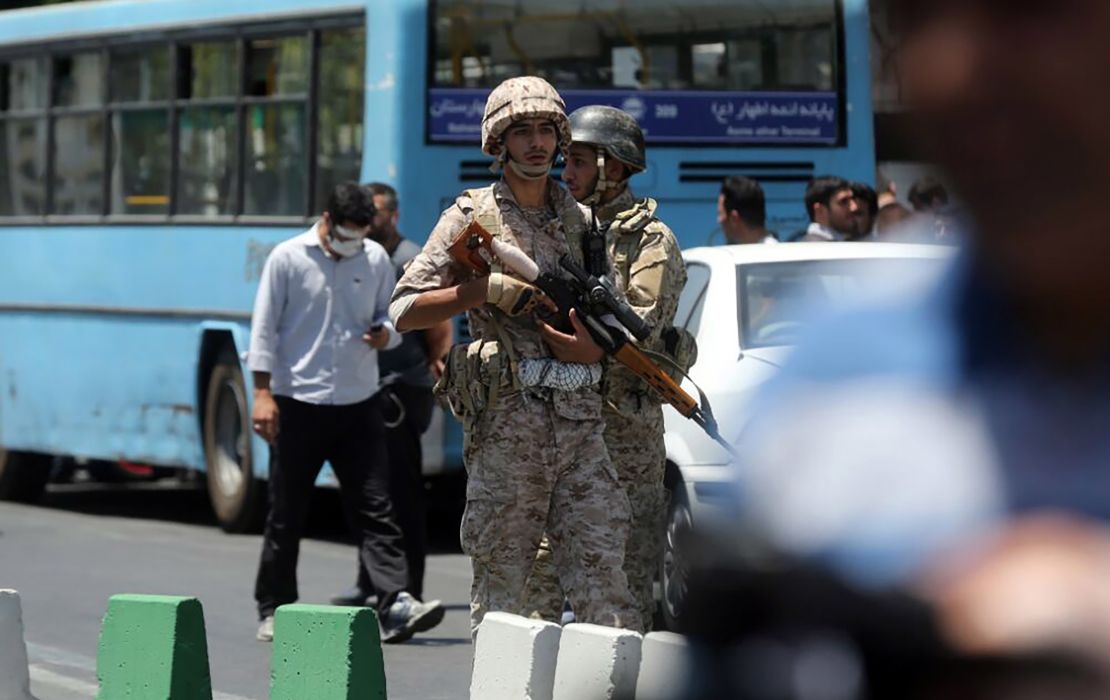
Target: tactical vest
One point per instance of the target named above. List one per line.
(476, 373)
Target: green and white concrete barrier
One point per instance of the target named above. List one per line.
(15, 683)
(324, 652)
(153, 647)
(514, 658)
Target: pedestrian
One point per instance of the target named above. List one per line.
(607, 149)
(535, 455)
(408, 373)
(742, 211)
(832, 207)
(320, 317)
(928, 195)
(867, 212)
(891, 221)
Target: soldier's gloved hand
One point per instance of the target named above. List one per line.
(511, 295)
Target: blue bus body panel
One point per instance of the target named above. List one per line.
(102, 332)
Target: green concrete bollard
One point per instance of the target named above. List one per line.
(153, 646)
(325, 652)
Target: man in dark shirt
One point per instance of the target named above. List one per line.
(408, 373)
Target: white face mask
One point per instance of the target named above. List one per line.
(346, 248)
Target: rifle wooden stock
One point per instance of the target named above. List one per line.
(631, 357)
(473, 248)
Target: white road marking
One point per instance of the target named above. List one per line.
(61, 657)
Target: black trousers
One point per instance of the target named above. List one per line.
(352, 438)
(408, 411)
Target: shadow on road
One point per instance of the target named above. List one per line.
(187, 504)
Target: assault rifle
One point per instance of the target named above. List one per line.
(601, 312)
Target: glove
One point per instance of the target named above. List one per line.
(511, 295)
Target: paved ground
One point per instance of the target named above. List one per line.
(83, 544)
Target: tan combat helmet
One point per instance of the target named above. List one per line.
(515, 99)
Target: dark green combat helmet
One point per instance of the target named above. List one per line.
(611, 130)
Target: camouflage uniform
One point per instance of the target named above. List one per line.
(535, 458)
(650, 272)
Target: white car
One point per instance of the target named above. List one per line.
(746, 305)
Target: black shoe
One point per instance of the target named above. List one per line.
(407, 616)
(356, 597)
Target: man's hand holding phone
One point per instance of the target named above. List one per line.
(377, 337)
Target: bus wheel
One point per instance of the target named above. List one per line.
(23, 475)
(238, 498)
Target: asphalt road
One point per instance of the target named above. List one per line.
(85, 543)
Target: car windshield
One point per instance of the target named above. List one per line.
(775, 300)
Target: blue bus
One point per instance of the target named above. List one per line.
(153, 152)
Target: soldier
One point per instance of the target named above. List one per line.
(607, 149)
(535, 455)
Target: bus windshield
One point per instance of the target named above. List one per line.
(704, 70)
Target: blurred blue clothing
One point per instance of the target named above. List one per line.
(900, 430)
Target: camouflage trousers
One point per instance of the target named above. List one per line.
(635, 444)
(532, 471)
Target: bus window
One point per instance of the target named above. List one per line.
(140, 149)
(208, 153)
(704, 71)
(140, 162)
(23, 137)
(276, 174)
(204, 70)
(78, 80)
(140, 75)
(274, 181)
(339, 149)
(674, 46)
(78, 181)
(277, 66)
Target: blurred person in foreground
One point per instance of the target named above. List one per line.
(408, 373)
(953, 450)
(742, 212)
(832, 207)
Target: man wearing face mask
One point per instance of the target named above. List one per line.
(528, 395)
(320, 316)
(607, 149)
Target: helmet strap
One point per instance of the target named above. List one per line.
(529, 172)
(602, 183)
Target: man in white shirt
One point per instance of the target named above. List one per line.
(742, 211)
(320, 316)
(832, 207)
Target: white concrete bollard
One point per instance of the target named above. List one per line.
(514, 658)
(15, 683)
(596, 662)
(664, 665)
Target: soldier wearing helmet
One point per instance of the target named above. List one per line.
(607, 149)
(535, 454)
